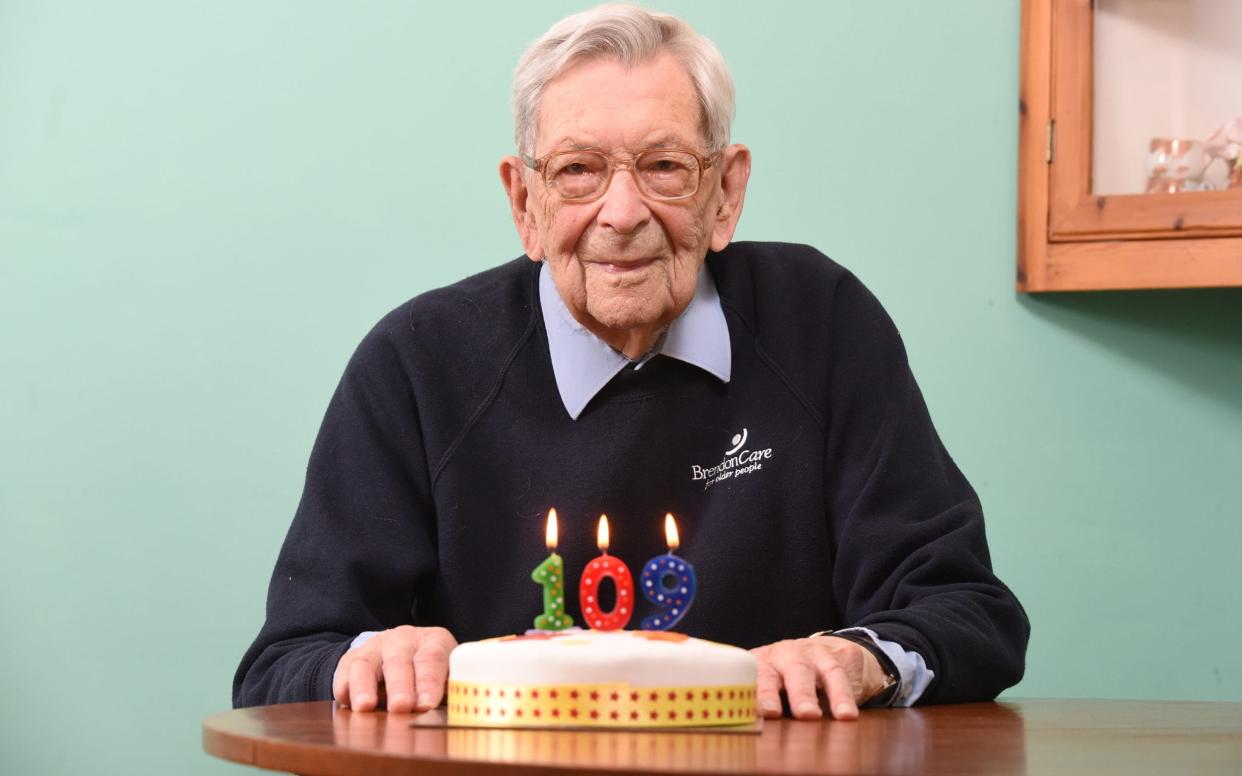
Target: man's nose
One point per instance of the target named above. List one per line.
(623, 206)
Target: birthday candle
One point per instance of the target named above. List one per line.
(668, 582)
(551, 575)
(593, 576)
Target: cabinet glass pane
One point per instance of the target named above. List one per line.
(1168, 96)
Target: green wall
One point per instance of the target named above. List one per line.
(203, 206)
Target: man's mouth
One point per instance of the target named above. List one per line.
(621, 267)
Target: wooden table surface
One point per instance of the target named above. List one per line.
(1028, 736)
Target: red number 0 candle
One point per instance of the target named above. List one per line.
(593, 575)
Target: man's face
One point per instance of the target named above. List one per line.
(623, 262)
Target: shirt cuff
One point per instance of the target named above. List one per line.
(915, 675)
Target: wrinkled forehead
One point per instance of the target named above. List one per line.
(604, 102)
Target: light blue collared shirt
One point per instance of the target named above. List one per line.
(584, 364)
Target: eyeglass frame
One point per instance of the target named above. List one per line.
(540, 166)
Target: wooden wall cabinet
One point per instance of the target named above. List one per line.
(1070, 239)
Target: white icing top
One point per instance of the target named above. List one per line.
(637, 658)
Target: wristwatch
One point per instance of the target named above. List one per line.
(892, 677)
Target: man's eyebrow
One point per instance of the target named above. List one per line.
(568, 143)
(667, 141)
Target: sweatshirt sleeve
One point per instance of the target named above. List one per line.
(362, 541)
(911, 557)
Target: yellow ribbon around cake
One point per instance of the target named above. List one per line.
(598, 705)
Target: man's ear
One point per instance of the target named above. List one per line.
(734, 173)
(513, 177)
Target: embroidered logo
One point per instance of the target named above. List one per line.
(738, 461)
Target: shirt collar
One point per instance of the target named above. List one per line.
(583, 363)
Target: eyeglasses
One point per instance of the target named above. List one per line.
(583, 176)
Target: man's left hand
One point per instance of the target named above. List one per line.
(848, 675)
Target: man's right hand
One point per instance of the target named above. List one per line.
(407, 665)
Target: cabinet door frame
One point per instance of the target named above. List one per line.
(1070, 239)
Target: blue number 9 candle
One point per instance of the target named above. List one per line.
(668, 582)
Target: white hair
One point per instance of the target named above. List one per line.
(633, 35)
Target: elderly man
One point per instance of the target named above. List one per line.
(637, 362)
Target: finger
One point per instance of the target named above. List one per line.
(799, 678)
(363, 686)
(768, 690)
(398, 670)
(340, 679)
(431, 672)
(838, 688)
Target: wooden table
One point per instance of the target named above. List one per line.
(1030, 736)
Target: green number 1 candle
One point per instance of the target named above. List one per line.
(551, 575)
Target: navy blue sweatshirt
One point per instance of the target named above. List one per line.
(446, 443)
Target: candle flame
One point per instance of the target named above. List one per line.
(601, 535)
(670, 532)
(550, 535)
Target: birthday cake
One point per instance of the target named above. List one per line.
(635, 679)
